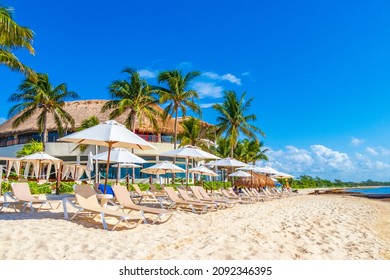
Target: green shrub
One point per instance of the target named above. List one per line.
(216, 185)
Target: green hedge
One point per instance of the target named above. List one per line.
(65, 187)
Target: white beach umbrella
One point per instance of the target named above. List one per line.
(119, 155)
(267, 170)
(126, 164)
(189, 152)
(163, 168)
(228, 162)
(282, 175)
(203, 170)
(110, 134)
(240, 173)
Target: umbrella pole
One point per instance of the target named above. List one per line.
(39, 170)
(107, 167)
(58, 180)
(127, 178)
(117, 175)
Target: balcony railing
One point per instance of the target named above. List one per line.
(52, 139)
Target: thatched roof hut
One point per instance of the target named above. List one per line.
(256, 181)
(81, 110)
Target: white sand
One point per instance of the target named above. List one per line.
(299, 227)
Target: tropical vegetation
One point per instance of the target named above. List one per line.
(178, 95)
(196, 133)
(233, 119)
(14, 37)
(42, 97)
(135, 96)
(30, 148)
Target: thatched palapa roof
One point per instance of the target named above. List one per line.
(256, 181)
(81, 110)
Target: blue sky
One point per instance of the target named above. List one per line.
(319, 71)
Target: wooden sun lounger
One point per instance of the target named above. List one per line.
(125, 201)
(230, 202)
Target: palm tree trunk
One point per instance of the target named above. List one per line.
(44, 139)
(175, 140)
(174, 143)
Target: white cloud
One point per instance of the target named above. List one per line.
(208, 90)
(226, 77)
(206, 105)
(246, 73)
(2, 120)
(372, 151)
(147, 74)
(356, 141)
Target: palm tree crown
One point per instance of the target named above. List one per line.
(13, 36)
(177, 94)
(42, 96)
(135, 95)
(232, 119)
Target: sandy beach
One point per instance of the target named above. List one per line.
(304, 227)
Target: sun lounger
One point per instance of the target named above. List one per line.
(221, 203)
(147, 196)
(87, 201)
(22, 193)
(176, 201)
(239, 199)
(9, 204)
(125, 201)
(243, 197)
(184, 195)
(230, 202)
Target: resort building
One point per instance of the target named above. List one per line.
(13, 139)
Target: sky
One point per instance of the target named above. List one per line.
(318, 71)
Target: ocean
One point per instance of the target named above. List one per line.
(375, 192)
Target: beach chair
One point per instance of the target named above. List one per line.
(9, 204)
(237, 198)
(249, 193)
(184, 195)
(147, 196)
(88, 202)
(125, 202)
(243, 197)
(177, 202)
(229, 202)
(22, 193)
(221, 203)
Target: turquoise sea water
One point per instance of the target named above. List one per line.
(379, 191)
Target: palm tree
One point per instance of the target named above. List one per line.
(12, 37)
(222, 148)
(232, 119)
(194, 133)
(134, 95)
(177, 94)
(250, 151)
(42, 96)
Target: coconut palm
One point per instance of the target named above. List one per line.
(42, 96)
(177, 95)
(250, 151)
(134, 95)
(195, 133)
(232, 119)
(222, 148)
(12, 37)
